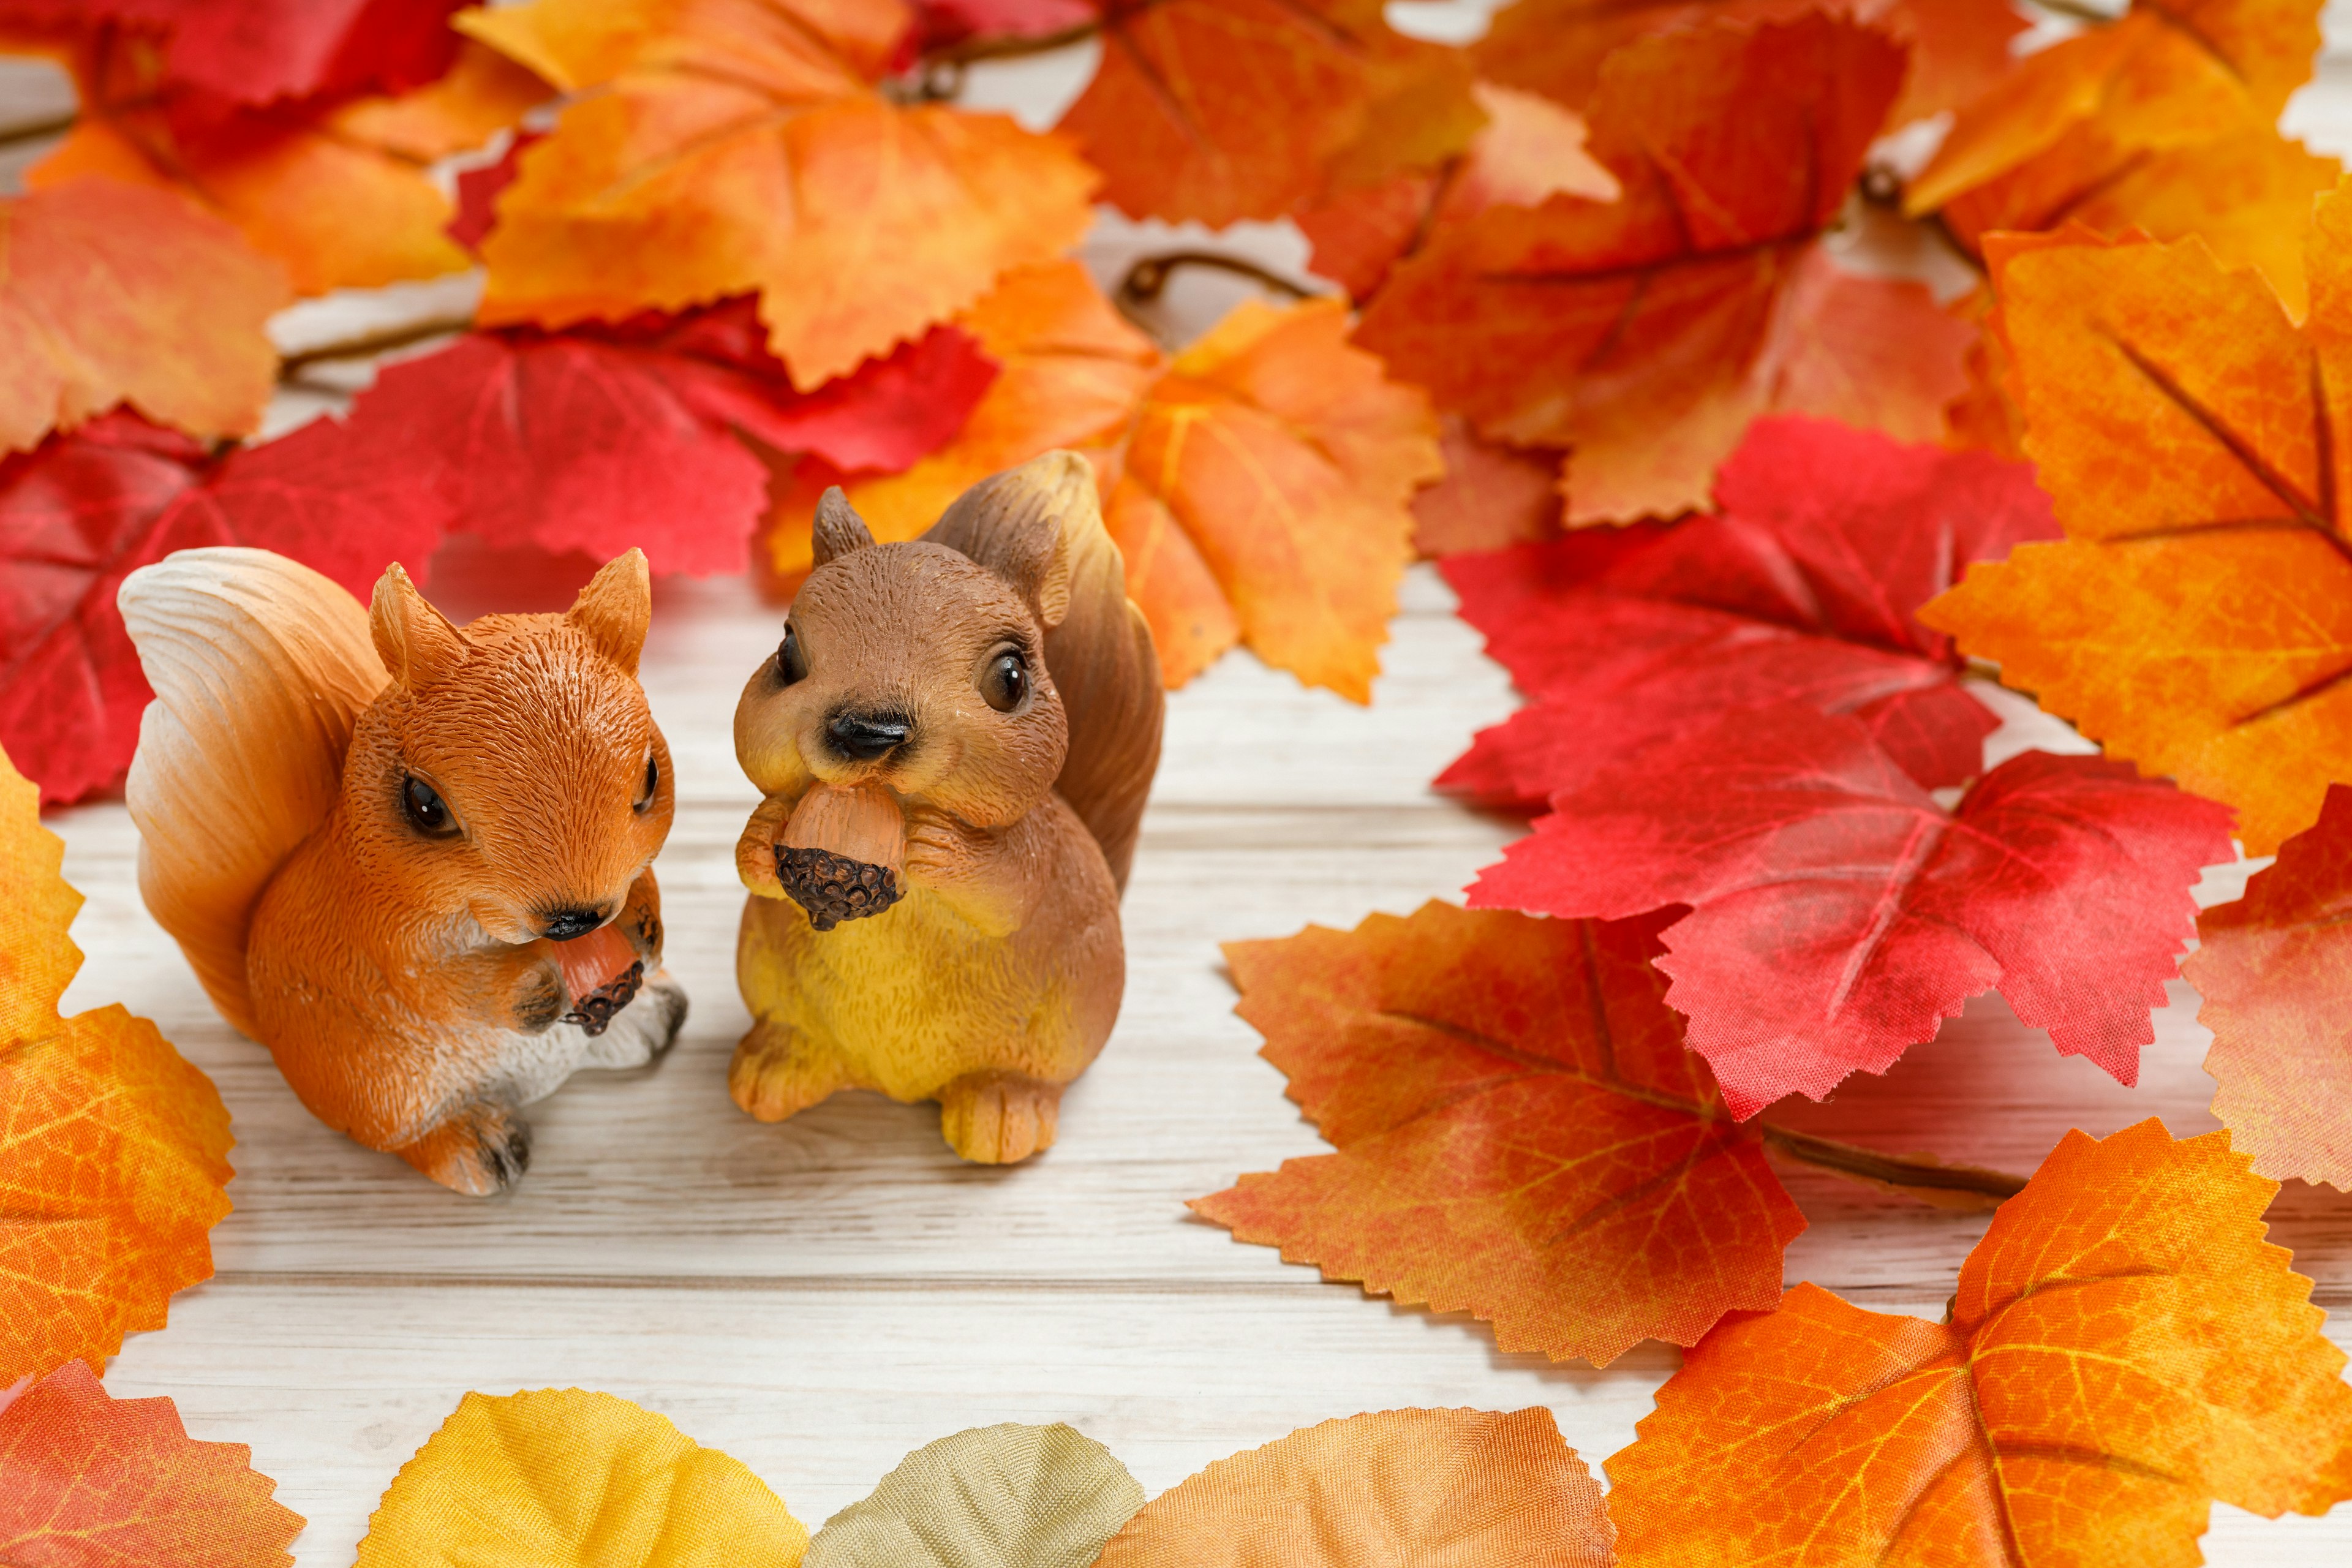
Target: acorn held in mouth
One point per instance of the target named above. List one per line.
(594, 1012)
(841, 853)
(834, 888)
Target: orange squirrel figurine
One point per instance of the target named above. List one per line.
(954, 740)
(413, 860)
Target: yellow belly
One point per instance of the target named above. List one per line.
(909, 1000)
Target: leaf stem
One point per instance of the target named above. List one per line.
(383, 341)
(1147, 278)
(34, 130)
(1870, 1166)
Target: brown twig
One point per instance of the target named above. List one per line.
(1147, 278)
(1879, 186)
(1928, 1179)
(34, 130)
(2079, 12)
(376, 343)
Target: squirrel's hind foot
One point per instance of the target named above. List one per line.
(999, 1118)
(482, 1151)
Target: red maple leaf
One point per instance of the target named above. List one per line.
(1838, 914)
(1803, 588)
(91, 1481)
(255, 51)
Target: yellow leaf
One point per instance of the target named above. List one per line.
(563, 1479)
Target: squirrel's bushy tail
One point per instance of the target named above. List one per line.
(260, 667)
(1100, 654)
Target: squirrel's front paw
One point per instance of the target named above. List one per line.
(482, 1151)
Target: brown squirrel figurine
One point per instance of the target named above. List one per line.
(954, 741)
(413, 860)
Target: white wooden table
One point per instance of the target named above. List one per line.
(820, 1297)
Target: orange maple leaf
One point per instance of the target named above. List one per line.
(1647, 331)
(112, 294)
(733, 149)
(1222, 109)
(87, 1479)
(2168, 74)
(2275, 971)
(2198, 618)
(113, 1150)
(1256, 482)
(2124, 1347)
(1448, 1488)
(339, 196)
(1959, 47)
(1521, 1133)
(2248, 195)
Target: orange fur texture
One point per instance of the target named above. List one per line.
(506, 791)
(994, 980)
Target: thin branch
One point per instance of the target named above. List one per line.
(1929, 1180)
(35, 129)
(1147, 280)
(380, 342)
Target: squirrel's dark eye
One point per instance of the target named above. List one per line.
(1005, 682)
(426, 810)
(653, 783)
(791, 664)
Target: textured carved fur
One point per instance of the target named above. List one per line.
(403, 981)
(995, 978)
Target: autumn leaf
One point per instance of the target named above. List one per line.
(2123, 1346)
(113, 1150)
(90, 1481)
(1449, 1489)
(735, 150)
(307, 188)
(1958, 47)
(992, 1497)
(1491, 496)
(1223, 109)
(597, 440)
(2247, 195)
(1256, 483)
(2273, 971)
(1530, 149)
(2163, 76)
(1802, 587)
(482, 94)
(246, 53)
(1521, 1133)
(946, 23)
(2198, 618)
(1647, 331)
(1837, 914)
(564, 1477)
(111, 294)
(1263, 495)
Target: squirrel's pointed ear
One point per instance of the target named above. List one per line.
(416, 641)
(615, 607)
(1019, 524)
(838, 530)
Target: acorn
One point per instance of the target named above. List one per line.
(594, 1012)
(841, 854)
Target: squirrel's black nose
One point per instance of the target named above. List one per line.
(562, 925)
(863, 737)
